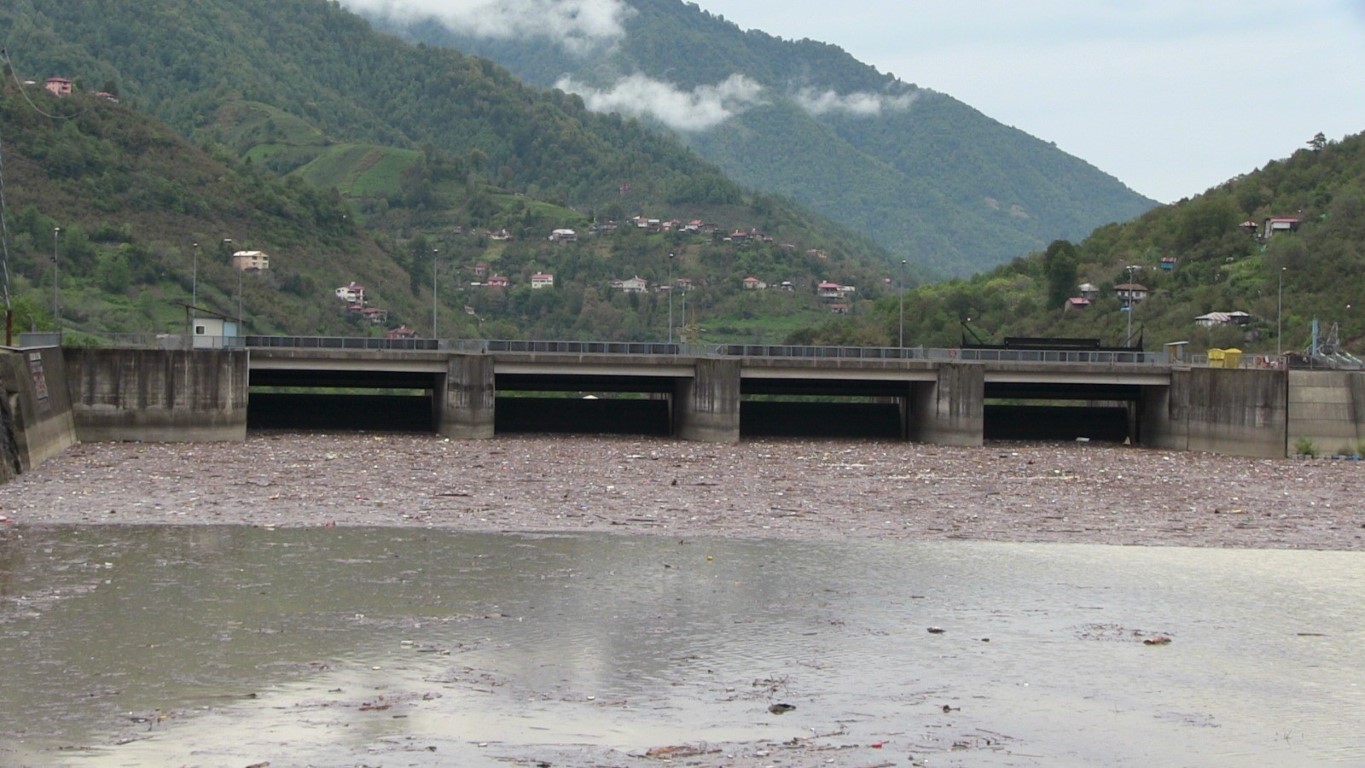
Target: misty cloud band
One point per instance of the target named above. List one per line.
(578, 25)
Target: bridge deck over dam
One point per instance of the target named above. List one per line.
(954, 397)
(706, 393)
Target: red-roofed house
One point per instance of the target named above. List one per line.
(59, 86)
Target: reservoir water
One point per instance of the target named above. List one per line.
(234, 646)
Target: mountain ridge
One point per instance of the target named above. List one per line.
(919, 171)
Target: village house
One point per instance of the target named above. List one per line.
(635, 284)
(351, 293)
(481, 270)
(754, 284)
(251, 261)
(375, 315)
(1276, 224)
(59, 86)
(1130, 293)
(401, 332)
(497, 281)
(563, 236)
(1076, 302)
(1222, 318)
(542, 280)
(829, 291)
(1088, 291)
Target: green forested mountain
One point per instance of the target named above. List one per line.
(136, 220)
(313, 60)
(1208, 254)
(926, 176)
(363, 158)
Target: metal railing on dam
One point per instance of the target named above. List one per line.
(644, 348)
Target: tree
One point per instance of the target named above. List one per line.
(1317, 142)
(1059, 267)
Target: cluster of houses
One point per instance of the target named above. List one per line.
(482, 279)
(353, 294)
(1268, 228)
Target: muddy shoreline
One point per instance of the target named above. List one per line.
(791, 489)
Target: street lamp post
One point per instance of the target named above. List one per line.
(227, 247)
(1128, 340)
(56, 300)
(670, 298)
(1279, 315)
(434, 252)
(902, 301)
(194, 285)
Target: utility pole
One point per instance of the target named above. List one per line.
(670, 298)
(56, 296)
(434, 252)
(1279, 315)
(1129, 340)
(902, 293)
(194, 286)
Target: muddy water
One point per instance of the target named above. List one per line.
(233, 646)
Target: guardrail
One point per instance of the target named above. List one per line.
(518, 346)
(342, 342)
(1091, 357)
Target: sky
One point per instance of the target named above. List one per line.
(1171, 97)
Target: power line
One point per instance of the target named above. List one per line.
(23, 91)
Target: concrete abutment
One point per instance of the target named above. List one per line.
(706, 406)
(157, 395)
(465, 398)
(951, 410)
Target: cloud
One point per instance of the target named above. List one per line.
(578, 25)
(862, 104)
(701, 108)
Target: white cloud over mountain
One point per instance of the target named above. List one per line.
(699, 109)
(863, 104)
(578, 25)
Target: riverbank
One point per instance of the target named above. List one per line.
(792, 489)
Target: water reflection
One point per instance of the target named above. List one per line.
(223, 645)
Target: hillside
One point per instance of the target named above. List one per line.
(139, 220)
(926, 176)
(431, 153)
(1215, 253)
(128, 199)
